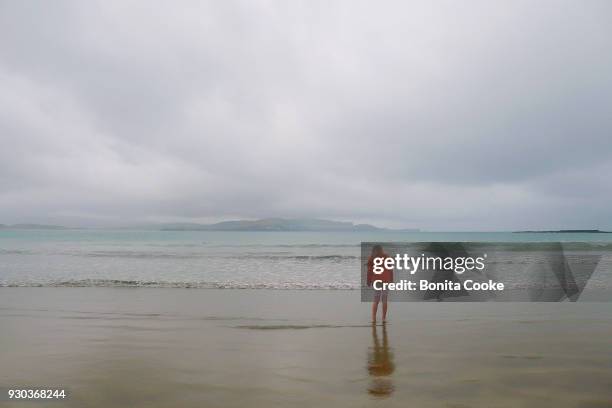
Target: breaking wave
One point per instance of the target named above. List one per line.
(114, 283)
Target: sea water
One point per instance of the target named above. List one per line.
(221, 259)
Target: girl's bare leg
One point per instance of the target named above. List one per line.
(374, 309)
(384, 309)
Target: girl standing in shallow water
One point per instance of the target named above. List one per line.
(386, 277)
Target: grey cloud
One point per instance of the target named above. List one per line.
(482, 115)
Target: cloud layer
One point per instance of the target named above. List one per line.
(439, 115)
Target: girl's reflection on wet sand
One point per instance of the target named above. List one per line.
(380, 364)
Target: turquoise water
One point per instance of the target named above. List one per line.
(214, 259)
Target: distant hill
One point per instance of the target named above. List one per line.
(273, 224)
(584, 231)
(265, 224)
(32, 227)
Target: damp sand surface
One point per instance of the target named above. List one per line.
(156, 347)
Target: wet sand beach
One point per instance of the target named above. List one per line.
(240, 348)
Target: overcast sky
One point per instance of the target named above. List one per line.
(477, 115)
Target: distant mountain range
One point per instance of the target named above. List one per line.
(271, 224)
(275, 224)
(265, 224)
(584, 231)
(32, 227)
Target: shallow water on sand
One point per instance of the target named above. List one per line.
(240, 348)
